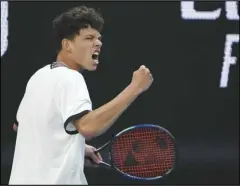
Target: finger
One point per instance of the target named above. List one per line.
(147, 71)
(99, 156)
(142, 67)
(88, 163)
(95, 158)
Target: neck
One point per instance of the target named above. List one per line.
(69, 62)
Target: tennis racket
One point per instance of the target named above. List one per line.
(145, 151)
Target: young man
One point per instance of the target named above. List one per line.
(55, 115)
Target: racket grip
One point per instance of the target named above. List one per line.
(104, 164)
(101, 163)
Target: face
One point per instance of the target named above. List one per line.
(85, 49)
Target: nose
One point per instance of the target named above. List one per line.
(98, 43)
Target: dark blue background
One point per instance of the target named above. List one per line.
(185, 58)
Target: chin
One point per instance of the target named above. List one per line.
(92, 68)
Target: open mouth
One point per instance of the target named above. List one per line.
(95, 57)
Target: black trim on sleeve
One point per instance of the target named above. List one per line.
(74, 117)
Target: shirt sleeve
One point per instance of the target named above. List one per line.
(72, 100)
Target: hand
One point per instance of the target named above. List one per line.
(142, 79)
(89, 153)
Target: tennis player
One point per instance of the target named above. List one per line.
(55, 115)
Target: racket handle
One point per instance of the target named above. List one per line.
(102, 147)
(105, 164)
(101, 163)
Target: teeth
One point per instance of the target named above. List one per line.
(95, 57)
(96, 61)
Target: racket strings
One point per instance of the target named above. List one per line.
(144, 152)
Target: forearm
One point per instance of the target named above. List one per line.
(99, 120)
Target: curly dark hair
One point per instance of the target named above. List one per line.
(68, 24)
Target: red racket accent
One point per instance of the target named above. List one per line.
(144, 152)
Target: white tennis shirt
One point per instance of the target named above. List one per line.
(48, 149)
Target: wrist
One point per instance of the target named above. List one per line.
(134, 89)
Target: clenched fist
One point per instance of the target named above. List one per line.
(142, 79)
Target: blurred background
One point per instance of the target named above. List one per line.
(184, 44)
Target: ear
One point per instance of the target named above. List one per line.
(67, 45)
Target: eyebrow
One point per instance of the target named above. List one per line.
(92, 35)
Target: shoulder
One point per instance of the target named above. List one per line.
(67, 77)
(61, 73)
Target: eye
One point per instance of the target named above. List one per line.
(89, 38)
